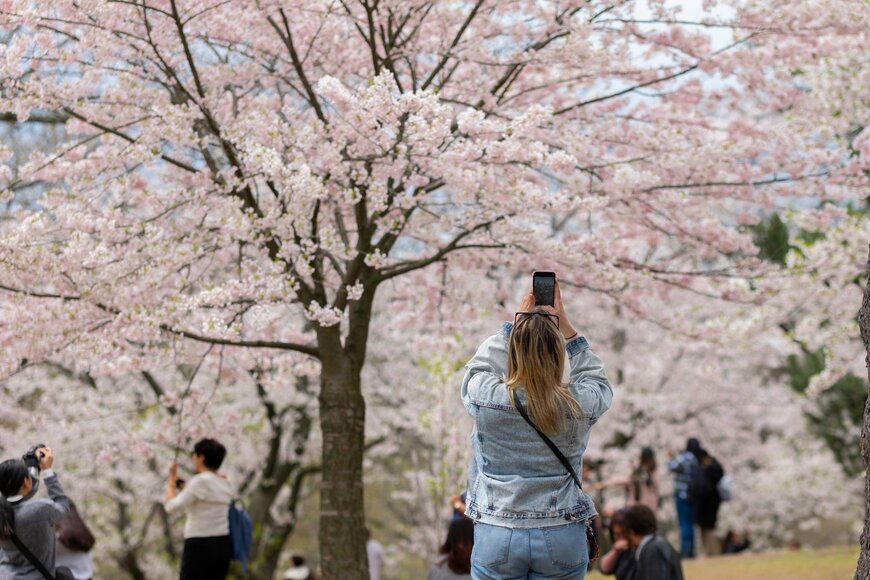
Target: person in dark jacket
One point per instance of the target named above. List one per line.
(656, 558)
(705, 496)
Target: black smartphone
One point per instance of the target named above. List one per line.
(179, 484)
(544, 288)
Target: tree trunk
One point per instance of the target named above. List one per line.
(863, 570)
(342, 424)
(342, 514)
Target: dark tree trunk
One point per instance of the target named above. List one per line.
(863, 570)
(342, 514)
(342, 423)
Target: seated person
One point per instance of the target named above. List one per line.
(619, 561)
(656, 558)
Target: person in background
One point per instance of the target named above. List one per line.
(32, 520)
(735, 543)
(206, 500)
(455, 560)
(642, 485)
(376, 556)
(656, 558)
(458, 504)
(74, 544)
(619, 561)
(705, 496)
(684, 466)
(298, 570)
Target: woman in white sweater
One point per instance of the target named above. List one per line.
(206, 500)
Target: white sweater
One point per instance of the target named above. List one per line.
(206, 500)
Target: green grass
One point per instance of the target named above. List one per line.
(836, 563)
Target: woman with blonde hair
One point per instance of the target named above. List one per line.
(530, 431)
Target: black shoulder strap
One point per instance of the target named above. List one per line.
(547, 440)
(30, 557)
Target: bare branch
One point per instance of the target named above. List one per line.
(453, 45)
(454, 245)
(297, 63)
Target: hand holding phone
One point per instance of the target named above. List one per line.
(547, 293)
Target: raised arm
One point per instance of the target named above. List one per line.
(180, 502)
(588, 382)
(485, 372)
(58, 506)
(176, 501)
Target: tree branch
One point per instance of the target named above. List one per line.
(453, 45)
(454, 245)
(303, 348)
(297, 63)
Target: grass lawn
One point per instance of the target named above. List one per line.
(837, 563)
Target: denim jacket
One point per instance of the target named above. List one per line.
(514, 479)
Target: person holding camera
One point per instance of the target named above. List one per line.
(27, 525)
(206, 500)
(532, 519)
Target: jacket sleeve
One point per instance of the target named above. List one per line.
(678, 464)
(185, 498)
(589, 384)
(58, 505)
(485, 372)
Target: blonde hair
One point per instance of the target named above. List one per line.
(536, 361)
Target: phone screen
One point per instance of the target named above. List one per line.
(544, 288)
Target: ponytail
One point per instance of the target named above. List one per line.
(7, 519)
(13, 473)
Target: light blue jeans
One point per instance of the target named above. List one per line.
(531, 553)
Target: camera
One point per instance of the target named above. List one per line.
(33, 456)
(31, 459)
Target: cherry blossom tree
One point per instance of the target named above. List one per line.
(239, 180)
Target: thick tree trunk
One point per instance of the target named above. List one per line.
(342, 424)
(863, 571)
(342, 514)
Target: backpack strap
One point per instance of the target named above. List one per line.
(31, 557)
(562, 459)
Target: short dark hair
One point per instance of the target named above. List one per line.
(641, 520)
(212, 452)
(13, 472)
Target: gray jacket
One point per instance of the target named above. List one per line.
(35, 521)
